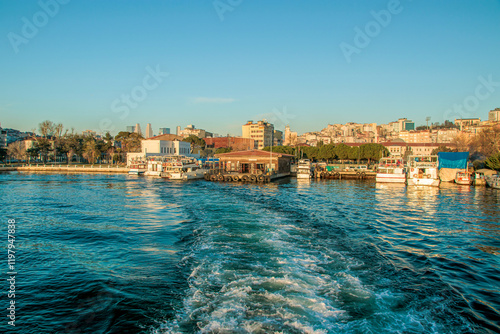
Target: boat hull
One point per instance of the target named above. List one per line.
(390, 178)
(423, 182)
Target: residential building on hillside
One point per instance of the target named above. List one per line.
(192, 130)
(494, 115)
(89, 133)
(464, 123)
(164, 131)
(290, 137)
(261, 131)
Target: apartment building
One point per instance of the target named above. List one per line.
(262, 132)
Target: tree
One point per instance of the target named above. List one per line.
(16, 150)
(493, 162)
(131, 141)
(373, 152)
(342, 151)
(327, 152)
(223, 150)
(3, 154)
(91, 150)
(442, 148)
(47, 128)
(44, 146)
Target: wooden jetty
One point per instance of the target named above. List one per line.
(250, 166)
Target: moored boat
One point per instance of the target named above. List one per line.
(493, 181)
(137, 168)
(391, 170)
(463, 178)
(422, 171)
(304, 169)
(182, 168)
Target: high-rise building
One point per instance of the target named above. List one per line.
(278, 138)
(494, 115)
(164, 131)
(138, 129)
(131, 128)
(261, 131)
(178, 130)
(149, 131)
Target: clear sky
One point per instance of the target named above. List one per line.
(216, 64)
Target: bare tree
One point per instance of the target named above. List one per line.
(16, 150)
(46, 128)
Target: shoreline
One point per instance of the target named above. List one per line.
(67, 169)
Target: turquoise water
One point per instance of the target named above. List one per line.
(124, 254)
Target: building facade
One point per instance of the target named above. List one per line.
(235, 143)
(261, 131)
(494, 115)
(149, 131)
(162, 145)
(192, 130)
(164, 131)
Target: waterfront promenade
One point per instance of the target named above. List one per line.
(61, 168)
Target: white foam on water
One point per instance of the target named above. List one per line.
(284, 284)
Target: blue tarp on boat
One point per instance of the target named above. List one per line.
(453, 159)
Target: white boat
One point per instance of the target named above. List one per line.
(182, 168)
(493, 181)
(137, 168)
(422, 170)
(391, 170)
(304, 169)
(155, 166)
(463, 178)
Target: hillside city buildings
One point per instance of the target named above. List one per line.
(400, 136)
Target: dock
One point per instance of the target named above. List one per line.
(323, 174)
(219, 175)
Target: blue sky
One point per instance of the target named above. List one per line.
(230, 61)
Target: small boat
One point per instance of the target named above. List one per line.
(422, 170)
(137, 168)
(155, 166)
(463, 178)
(391, 170)
(479, 179)
(304, 169)
(493, 181)
(182, 168)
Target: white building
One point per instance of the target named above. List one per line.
(162, 145)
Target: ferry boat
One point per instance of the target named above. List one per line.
(422, 170)
(304, 169)
(463, 178)
(493, 181)
(137, 168)
(182, 168)
(391, 170)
